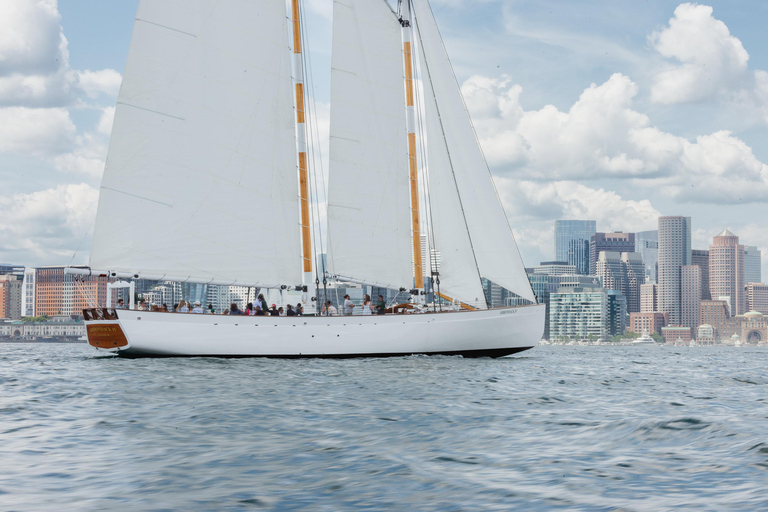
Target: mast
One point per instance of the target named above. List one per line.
(418, 271)
(306, 234)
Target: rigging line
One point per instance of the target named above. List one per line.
(480, 147)
(450, 159)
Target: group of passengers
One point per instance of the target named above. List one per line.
(349, 307)
(259, 308)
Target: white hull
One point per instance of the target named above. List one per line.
(491, 333)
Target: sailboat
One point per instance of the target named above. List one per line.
(207, 181)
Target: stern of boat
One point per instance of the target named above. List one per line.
(103, 330)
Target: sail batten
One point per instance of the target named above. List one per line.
(369, 196)
(200, 179)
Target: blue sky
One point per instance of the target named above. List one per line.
(610, 110)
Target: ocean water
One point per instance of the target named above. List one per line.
(555, 428)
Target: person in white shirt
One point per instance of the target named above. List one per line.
(198, 308)
(348, 305)
(183, 307)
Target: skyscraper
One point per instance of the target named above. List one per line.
(647, 244)
(615, 242)
(752, 270)
(674, 253)
(726, 270)
(690, 296)
(700, 258)
(572, 242)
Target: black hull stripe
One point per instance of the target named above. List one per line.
(492, 352)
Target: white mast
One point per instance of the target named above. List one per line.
(301, 131)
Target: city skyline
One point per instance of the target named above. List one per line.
(532, 77)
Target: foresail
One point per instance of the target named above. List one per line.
(459, 276)
(201, 178)
(368, 197)
(495, 250)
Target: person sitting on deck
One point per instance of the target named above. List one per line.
(249, 309)
(328, 309)
(164, 308)
(234, 310)
(142, 305)
(211, 310)
(183, 307)
(198, 309)
(273, 310)
(280, 311)
(299, 309)
(120, 304)
(290, 311)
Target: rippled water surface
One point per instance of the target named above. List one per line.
(557, 428)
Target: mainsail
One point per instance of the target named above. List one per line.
(462, 193)
(368, 199)
(203, 132)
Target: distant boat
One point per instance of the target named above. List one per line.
(207, 181)
(645, 339)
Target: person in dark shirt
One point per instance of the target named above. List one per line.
(273, 310)
(381, 307)
(234, 310)
(290, 311)
(263, 303)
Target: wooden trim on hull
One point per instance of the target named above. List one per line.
(472, 354)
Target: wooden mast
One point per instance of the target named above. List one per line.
(298, 68)
(418, 270)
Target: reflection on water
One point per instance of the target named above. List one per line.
(557, 428)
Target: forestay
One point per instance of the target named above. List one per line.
(495, 250)
(201, 178)
(368, 198)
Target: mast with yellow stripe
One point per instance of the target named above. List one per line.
(301, 133)
(404, 9)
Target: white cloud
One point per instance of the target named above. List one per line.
(39, 132)
(46, 224)
(93, 83)
(602, 136)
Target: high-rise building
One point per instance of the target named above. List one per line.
(608, 267)
(647, 244)
(616, 313)
(700, 258)
(752, 264)
(726, 270)
(690, 296)
(757, 297)
(674, 253)
(10, 296)
(28, 293)
(649, 298)
(57, 293)
(615, 242)
(572, 242)
(623, 272)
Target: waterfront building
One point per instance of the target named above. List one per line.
(753, 327)
(10, 296)
(548, 277)
(647, 322)
(647, 244)
(757, 297)
(690, 296)
(716, 313)
(674, 334)
(700, 258)
(578, 313)
(61, 327)
(57, 293)
(705, 335)
(649, 298)
(674, 253)
(726, 270)
(752, 265)
(614, 242)
(572, 242)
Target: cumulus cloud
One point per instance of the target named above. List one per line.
(707, 63)
(47, 224)
(34, 59)
(38, 132)
(603, 136)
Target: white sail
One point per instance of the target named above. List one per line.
(368, 198)
(201, 178)
(495, 250)
(459, 276)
